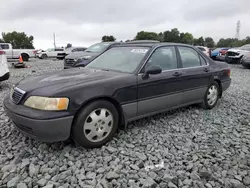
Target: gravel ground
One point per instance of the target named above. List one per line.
(189, 147)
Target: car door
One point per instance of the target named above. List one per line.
(162, 91)
(195, 74)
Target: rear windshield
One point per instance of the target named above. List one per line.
(99, 47)
(121, 59)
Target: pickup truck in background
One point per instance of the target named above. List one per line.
(4, 70)
(15, 53)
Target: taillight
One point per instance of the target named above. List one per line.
(2, 52)
(228, 72)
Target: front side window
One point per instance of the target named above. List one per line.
(121, 59)
(165, 57)
(189, 57)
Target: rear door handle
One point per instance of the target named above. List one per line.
(177, 74)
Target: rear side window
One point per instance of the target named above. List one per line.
(4, 46)
(189, 57)
(58, 49)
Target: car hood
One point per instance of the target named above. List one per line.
(238, 50)
(79, 55)
(52, 83)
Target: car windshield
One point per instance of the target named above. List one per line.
(99, 47)
(245, 47)
(121, 59)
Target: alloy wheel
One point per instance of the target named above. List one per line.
(212, 95)
(98, 125)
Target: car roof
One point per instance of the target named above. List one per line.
(151, 45)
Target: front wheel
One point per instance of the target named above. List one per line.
(44, 56)
(212, 96)
(96, 124)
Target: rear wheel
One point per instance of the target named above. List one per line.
(96, 124)
(25, 57)
(212, 96)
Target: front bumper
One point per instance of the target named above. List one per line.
(5, 77)
(45, 130)
(225, 84)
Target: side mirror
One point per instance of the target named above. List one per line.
(155, 69)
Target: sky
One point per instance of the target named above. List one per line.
(84, 22)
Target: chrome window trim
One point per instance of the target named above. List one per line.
(178, 69)
(146, 60)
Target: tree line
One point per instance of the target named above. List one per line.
(19, 40)
(174, 35)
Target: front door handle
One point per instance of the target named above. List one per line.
(206, 70)
(177, 74)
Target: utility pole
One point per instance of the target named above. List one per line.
(54, 37)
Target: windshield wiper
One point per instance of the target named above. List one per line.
(87, 51)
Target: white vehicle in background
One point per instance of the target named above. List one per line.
(15, 53)
(4, 70)
(205, 50)
(49, 53)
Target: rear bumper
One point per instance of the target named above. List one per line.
(225, 84)
(47, 130)
(5, 77)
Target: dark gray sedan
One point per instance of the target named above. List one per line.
(125, 83)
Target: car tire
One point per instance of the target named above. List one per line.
(95, 124)
(25, 57)
(44, 56)
(211, 96)
(239, 60)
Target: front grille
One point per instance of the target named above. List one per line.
(232, 53)
(69, 62)
(17, 95)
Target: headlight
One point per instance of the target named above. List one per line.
(46, 103)
(86, 57)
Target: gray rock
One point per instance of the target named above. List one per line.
(208, 185)
(194, 176)
(78, 164)
(22, 185)
(187, 181)
(167, 178)
(13, 182)
(100, 170)
(150, 183)
(111, 149)
(49, 186)
(33, 170)
(171, 185)
(130, 145)
(205, 175)
(246, 180)
(112, 175)
(42, 182)
(141, 156)
(236, 183)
